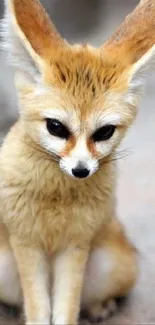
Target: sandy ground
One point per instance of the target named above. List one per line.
(93, 21)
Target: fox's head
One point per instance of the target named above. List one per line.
(76, 102)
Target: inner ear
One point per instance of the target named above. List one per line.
(138, 72)
(34, 27)
(29, 35)
(143, 65)
(133, 46)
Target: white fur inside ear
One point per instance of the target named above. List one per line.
(141, 68)
(138, 74)
(17, 54)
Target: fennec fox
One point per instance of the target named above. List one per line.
(62, 247)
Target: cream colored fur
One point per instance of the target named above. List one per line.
(62, 247)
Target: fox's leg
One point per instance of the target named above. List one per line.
(10, 290)
(69, 267)
(111, 271)
(33, 269)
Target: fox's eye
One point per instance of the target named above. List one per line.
(104, 133)
(57, 129)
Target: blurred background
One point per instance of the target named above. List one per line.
(93, 21)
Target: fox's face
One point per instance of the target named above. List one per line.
(76, 101)
(77, 114)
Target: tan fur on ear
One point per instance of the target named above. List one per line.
(136, 35)
(35, 28)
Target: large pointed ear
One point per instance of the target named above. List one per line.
(133, 45)
(29, 36)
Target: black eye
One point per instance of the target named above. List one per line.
(104, 133)
(57, 129)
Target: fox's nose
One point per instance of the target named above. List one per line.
(80, 172)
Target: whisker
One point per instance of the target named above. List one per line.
(51, 156)
(118, 155)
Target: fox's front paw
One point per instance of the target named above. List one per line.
(99, 312)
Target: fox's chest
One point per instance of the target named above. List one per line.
(55, 225)
(61, 225)
(54, 222)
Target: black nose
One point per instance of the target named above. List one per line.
(80, 172)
